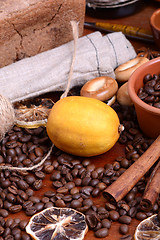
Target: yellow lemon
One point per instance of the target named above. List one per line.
(83, 126)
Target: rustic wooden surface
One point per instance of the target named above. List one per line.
(139, 19)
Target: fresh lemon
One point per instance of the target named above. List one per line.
(83, 126)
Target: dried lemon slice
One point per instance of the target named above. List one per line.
(148, 229)
(57, 224)
(32, 113)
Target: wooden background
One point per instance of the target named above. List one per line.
(139, 19)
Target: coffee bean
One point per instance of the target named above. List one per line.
(101, 186)
(76, 204)
(27, 204)
(60, 203)
(106, 223)
(23, 224)
(3, 212)
(11, 198)
(155, 207)
(102, 213)
(48, 205)
(25, 236)
(57, 184)
(95, 192)
(29, 192)
(94, 182)
(9, 222)
(126, 237)
(130, 196)
(48, 169)
(67, 198)
(63, 190)
(86, 162)
(12, 189)
(86, 181)
(101, 233)
(49, 194)
(6, 183)
(22, 184)
(114, 215)
(15, 208)
(90, 167)
(70, 185)
(91, 220)
(37, 185)
(110, 206)
(88, 202)
(141, 216)
(40, 174)
(86, 190)
(125, 219)
(82, 172)
(1, 230)
(39, 152)
(74, 190)
(34, 199)
(1, 203)
(30, 211)
(123, 229)
(94, 174)
(7, 232)
(39, 206)
(132, 212)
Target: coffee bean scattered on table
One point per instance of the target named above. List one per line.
(74, 182)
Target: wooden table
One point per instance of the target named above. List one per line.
(140, 19)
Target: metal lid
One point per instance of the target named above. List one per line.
(112, 9)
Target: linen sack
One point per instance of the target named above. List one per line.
(96, 55)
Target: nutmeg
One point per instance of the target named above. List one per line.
(102, 88)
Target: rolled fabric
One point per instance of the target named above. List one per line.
(96, 55)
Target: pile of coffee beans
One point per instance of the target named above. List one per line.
(11, 229)
(24, 147)
(74, 182)
(150, 92)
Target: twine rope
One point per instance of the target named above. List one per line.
(75, 38)
(7, 116)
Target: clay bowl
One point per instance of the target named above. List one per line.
(155, 26)
(148, 117)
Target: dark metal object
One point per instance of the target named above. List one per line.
(103, 10)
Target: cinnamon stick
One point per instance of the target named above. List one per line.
(118, 189)
(152, 189)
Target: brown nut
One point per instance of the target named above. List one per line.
(124, 71)
(123, 97)
(101, 88)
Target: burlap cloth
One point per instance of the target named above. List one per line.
(96, 55)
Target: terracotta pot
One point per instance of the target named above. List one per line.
(155, 26)
(148, 116)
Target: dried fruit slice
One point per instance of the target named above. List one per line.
(57, 224)
(148, 229)
(32, 113)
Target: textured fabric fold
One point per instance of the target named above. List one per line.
(96, 55)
